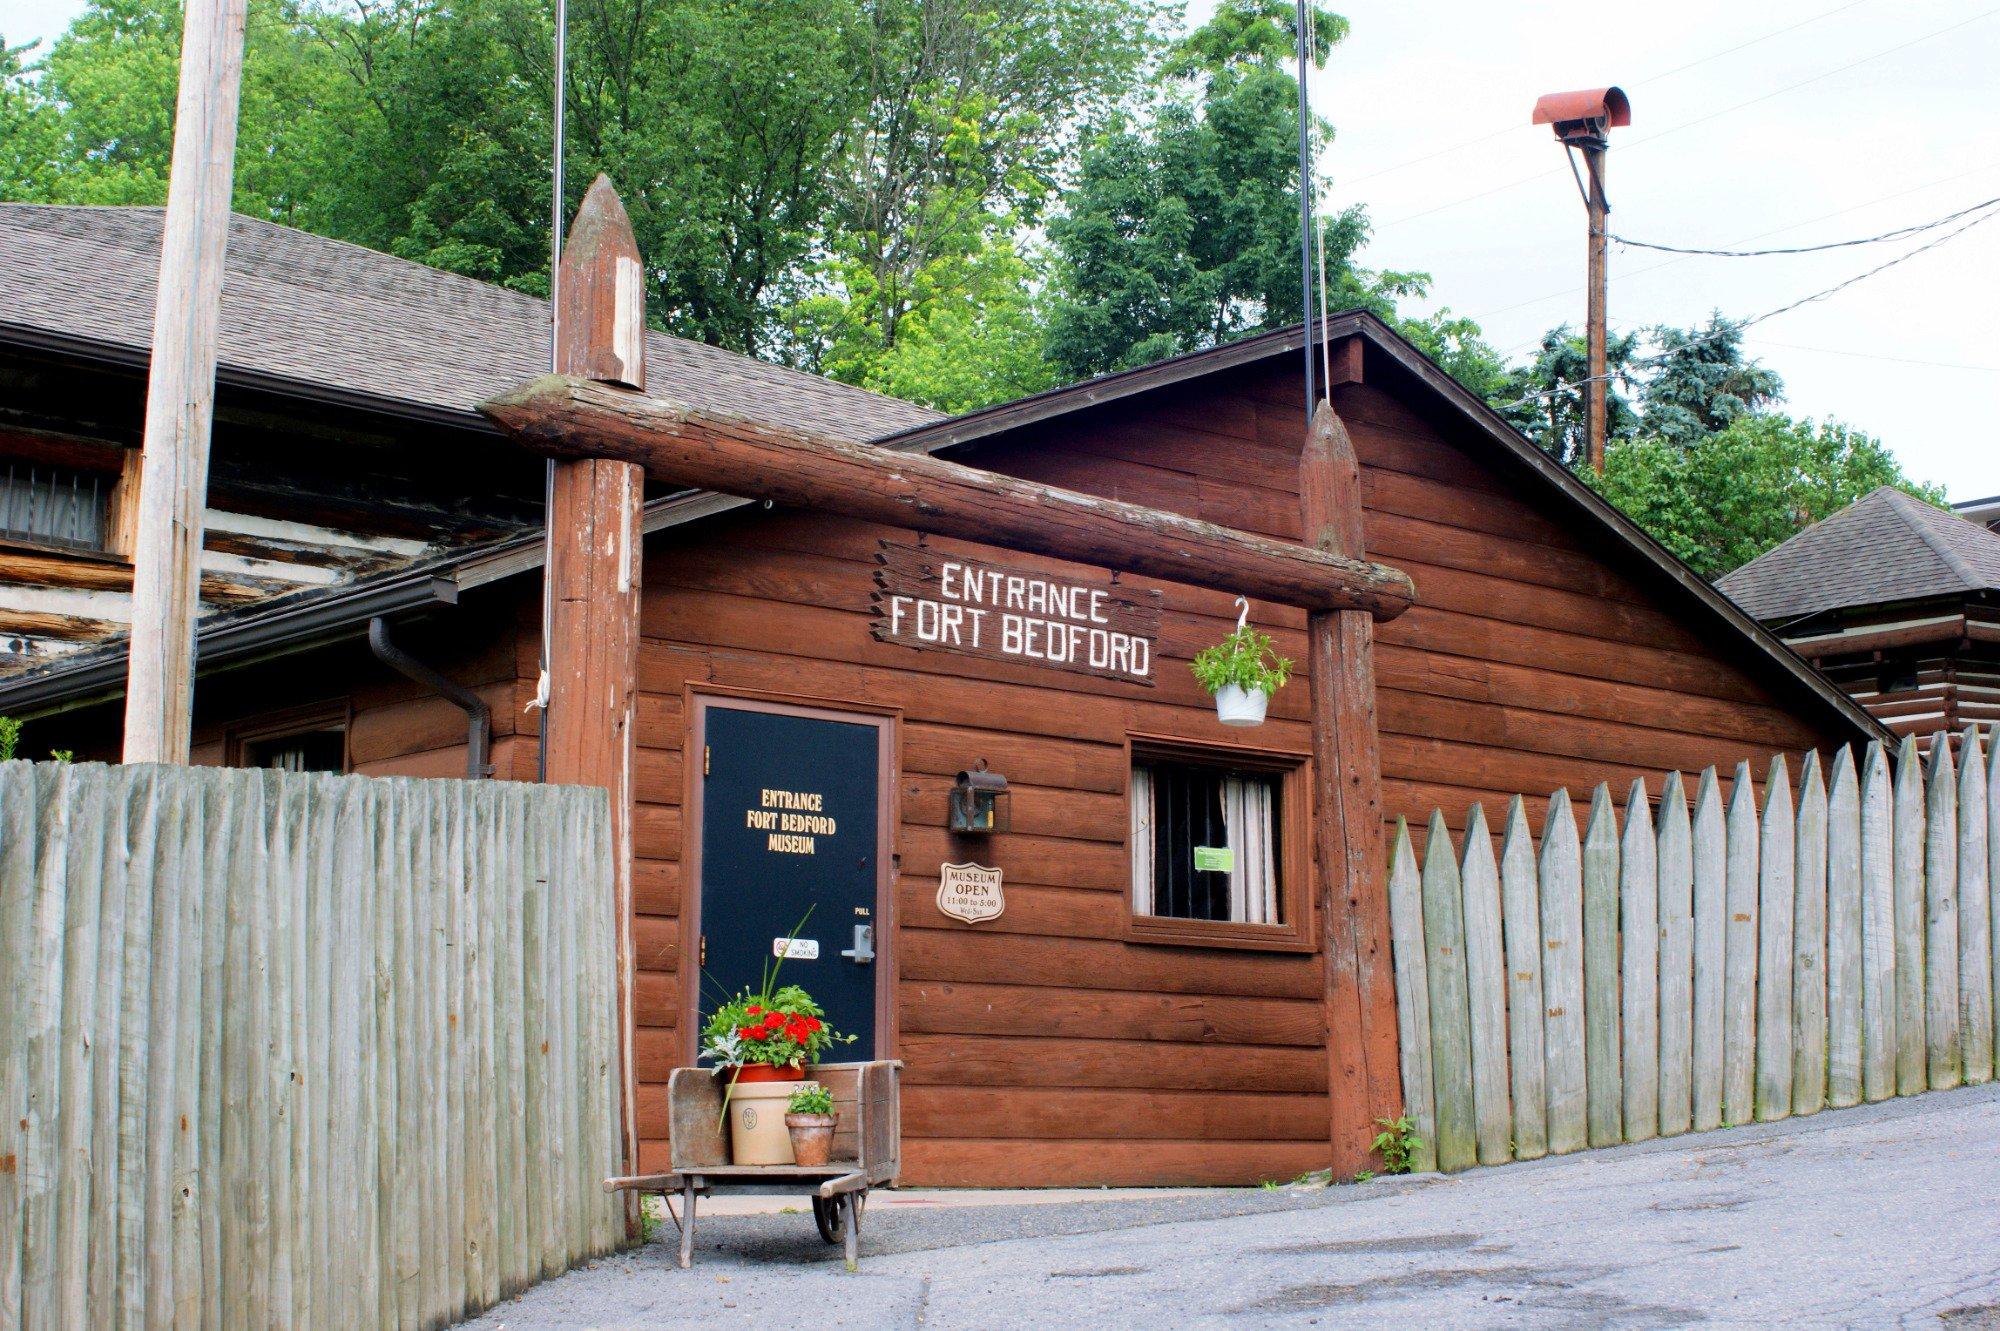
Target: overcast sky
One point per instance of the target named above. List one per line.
(1847, 118)
(1785, 122)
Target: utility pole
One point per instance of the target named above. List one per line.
(1595, 398)
(180, 386)
(1583, 121)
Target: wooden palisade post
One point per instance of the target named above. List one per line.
(594, 563)
(180, 388)
(1348, 853)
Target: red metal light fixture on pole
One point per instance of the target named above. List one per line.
(1583, 121)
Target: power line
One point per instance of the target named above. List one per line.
(1900, 233)
(1513, 126)
(1734, 327)
(1700, 120)
(1774, 231)
(1870, 355)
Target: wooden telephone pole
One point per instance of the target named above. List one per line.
(180, 387)
(1583, 123)
(1595, 316)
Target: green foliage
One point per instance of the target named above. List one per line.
(1544, 399)
(10, 737)
(1246, 659)
(1182, 229)
(1397, 1143)
(62, 755)
(1728, 497)
(1700, 381)
(812, 1098)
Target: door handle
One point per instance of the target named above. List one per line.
(863, 951)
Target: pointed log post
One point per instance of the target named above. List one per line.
(1347, 811)
(593, 570)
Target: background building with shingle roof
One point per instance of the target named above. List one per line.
(1895, 600)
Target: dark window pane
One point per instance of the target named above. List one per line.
(51, 506)
(310, 751)
(1187, 813)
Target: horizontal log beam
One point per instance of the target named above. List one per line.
(566, 417)
(1945, 629)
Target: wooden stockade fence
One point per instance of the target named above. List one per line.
(279, 1048)
(1699, 964)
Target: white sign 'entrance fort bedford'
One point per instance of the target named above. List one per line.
(941, 602)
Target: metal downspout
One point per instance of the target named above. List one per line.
(479, 717)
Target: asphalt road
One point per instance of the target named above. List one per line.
(1877, 1216)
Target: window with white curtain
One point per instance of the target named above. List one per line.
(1206, 842)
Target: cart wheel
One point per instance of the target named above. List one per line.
(832, 1224)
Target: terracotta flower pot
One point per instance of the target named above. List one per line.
(755, 1072)
(812, 1137)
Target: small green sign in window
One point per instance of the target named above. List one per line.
(1214, 859)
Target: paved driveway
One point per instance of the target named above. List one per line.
(1862, 1217)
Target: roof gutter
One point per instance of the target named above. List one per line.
(127, 356)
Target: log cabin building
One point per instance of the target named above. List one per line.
(1144, 999)
(1897, 602)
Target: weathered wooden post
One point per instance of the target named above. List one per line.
(593, 572)
(1347, 803)
(180, 388)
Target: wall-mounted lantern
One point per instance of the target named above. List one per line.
(979, 802)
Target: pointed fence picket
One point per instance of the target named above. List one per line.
(247, 1026)
(1755, 953)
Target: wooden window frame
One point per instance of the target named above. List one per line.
(336, 714)
(1300, 931)
(117, 463)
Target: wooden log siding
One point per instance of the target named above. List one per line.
(294, 1049)
(1876, 997)
(1537, 662)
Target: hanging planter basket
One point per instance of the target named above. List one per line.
(1242, 672)
(1238, 706)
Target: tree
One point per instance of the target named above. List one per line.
(1734, 494)
(28, 129)
(1700, 381)
(1182, 231)
(1544, 399)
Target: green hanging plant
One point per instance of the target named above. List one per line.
(1246, 659)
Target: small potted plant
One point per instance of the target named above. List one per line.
(809, 1117)
(1242, 671)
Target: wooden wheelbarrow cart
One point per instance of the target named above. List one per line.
(867, 1145)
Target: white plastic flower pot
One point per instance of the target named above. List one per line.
(1238, 706)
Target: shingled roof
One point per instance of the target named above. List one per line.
(307, 310)
(1886, 546)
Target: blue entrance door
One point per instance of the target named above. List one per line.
(788, 834)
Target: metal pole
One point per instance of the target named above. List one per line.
(542, 685)
(1306, 203)
(1595, 318)
(180, 386)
